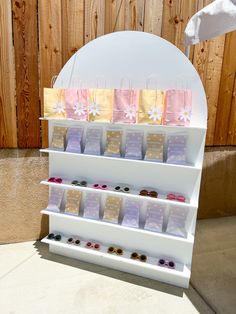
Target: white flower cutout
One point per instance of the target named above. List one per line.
(59, 108)
(155, 113)
(130, 112)
(94, 109)
(79, 108)
(185, 115)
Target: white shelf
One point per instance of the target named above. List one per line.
(132, 231)
(130, 238)
(121, 159)
(121, 194)
(151, 127)
(179, 276)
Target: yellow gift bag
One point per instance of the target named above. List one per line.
(54, 103)
(151, 106)
(100, 104)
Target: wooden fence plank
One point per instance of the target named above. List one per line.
(153, 17)
(50, 48)
(26, 60)
(115, 16)
(176, 14)
(72, 27)
(8, 127)
(226, 91)
(134, 15)
(94, 24)
(232, 120)
(207, 59)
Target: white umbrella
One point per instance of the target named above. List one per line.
(215, 19)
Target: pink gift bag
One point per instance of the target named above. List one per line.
(125, 106)
(76, 104)
(178, 107)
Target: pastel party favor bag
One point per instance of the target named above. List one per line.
(125, 106)
(76, 103)
(151, 106)
(100, 104)
(178, 107)
(54, 103)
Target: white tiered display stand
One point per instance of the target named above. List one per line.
(107, 61)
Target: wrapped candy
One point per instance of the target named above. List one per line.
(177, 221)
(92, 205)
(74, 138)
(55, 199)
(113, 143)
(131, 216)
(73, 202)
(176, 149)
(134, 145)
(93, 141)
(154, 217)
(155, 147)
(112, 209)
(58, 138)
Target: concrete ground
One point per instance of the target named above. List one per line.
(33, 281)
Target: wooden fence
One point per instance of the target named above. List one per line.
(37, 37)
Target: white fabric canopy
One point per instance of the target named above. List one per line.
(215, 19)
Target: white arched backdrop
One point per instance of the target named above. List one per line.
(137, 60)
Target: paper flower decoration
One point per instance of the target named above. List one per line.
(59, 108)
(185, 115)
(130, 112)
(80, 109)
(155, 114)
(94, 109)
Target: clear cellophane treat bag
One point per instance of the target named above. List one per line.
(151, 106)
(55, 199)
(178, 107)
(100, 104)
(73, 199)
(155, 147)
(112, 209)
(93, 141)
(177, 222)
(58, 138)
(92, 205)
(131, 213)
(54, 103)
(176, 149)
(113, 143)
(134, 145)
(125, 106)
(76, 102)
(74, 138)
(154, 217)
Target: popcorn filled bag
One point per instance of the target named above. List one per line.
(151, 106)
(54, 103)
(178, 107)
(125, 106)
(100, 104)
(76, 102)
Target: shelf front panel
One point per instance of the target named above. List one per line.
(178, 277)
(180, 249)
(166, 177)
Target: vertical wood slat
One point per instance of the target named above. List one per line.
(26, 61)
(114, 16)
(72, 27)
(208, 59)
(176, 14)
(50, 49)
(232, 120)
(134, 15)
(222, 127)
(94, 19)
(8, 124)
(153, 17)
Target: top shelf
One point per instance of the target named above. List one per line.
(126, 125)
